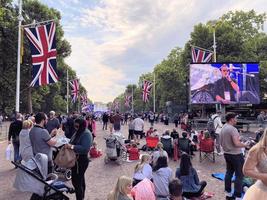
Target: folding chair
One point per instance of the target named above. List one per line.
(167, 145)
(151, 142)
(184, 145)
(206, 150)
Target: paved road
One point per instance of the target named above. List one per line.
(101, 178)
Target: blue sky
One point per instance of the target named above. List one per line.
(115, 41)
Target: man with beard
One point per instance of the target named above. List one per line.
(41, 140)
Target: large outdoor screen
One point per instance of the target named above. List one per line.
(225, 83)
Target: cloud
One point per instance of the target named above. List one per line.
(114, 42)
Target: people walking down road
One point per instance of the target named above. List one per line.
(105, 121)
(13, 133)
(25, 146)
(41, 140)
(192, 187)
(234, 158)
(138, 124)
(80, 142)
(256, 167)
(217, 122)
(116, 121)
(53, 122)
(122, 189)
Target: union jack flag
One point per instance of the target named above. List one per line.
(128, 99)
(146, 90)
(201, 55)
(43, 50)
(84, 99)
(75, 90)
(116, 105)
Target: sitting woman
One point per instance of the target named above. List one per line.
(189, 178)
(94, 152)
(142, 170)
(159, 152)
(122, 189)
(133, 152)
(162, 175)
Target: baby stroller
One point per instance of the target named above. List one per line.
(32, 177)
(60, 170)
(115, 150)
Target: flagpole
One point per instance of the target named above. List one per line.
(67, 91)
(214, 44)
(132, 100)
(154, 94)
(18, 57)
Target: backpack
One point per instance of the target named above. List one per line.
(210, 125)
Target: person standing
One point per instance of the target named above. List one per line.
(217, 122)
(1, 119)
(25, 147)
(131, 129)
(138, 124)
(234, 158)
(80, 142)
(151, 118)
(116, 119)
(53, 122)
(105, 121)
(14, 130)
(41, 140)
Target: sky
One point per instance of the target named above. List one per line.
(115, 41)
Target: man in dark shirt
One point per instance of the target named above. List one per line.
(53, 122)
(14, 130)
(105, 120)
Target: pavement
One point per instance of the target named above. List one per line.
(101, 178)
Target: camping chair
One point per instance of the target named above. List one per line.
(184, 145)
(151, 142)
(53, 190)
(206, 150)
(167, 145)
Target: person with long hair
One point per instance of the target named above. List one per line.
(142, 170)
(256, 167)
(158, 153)
(122, 189)
(162, 175)
(192, 187)
(80, 142)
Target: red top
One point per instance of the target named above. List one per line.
(133, 153)
(149, 132)
(94, 153)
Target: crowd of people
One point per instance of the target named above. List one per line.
(152, 178)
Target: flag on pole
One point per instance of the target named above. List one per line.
(21, 45)
(128, 99)
(201, 55)
(147, 85)
(75, 90)
(43, 49)
(84, 99)
(116, 105)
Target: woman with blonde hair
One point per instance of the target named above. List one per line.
(122, 189)
(256, 167)
(159, 152)
(142, 170)
(25, 148)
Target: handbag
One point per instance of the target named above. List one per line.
(65, 158)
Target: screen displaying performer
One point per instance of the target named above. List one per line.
(225, 83)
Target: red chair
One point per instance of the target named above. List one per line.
(206, 150)
(151, 142)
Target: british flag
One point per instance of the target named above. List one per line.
(116, 105)
(147, 85)
(128, 99)
(75, 90)
(84, 99)
(43, 50)
(200, 55)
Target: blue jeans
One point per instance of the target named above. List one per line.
(234, 164)
(17, 157)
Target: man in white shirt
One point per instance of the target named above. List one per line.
(138, 124)
(218, 127)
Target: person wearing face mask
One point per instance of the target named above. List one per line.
(80, 143)
(41, 140)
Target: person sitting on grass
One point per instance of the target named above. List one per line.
(122, 189)
(189, 178)
(94, 152)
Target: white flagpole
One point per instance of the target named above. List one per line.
(154, 93)
(132, 100)
(67, 91)
(18, 60)
(214, 43)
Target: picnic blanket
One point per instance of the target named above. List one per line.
(220, 176)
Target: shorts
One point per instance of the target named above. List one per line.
(138, 132)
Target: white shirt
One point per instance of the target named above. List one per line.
(217, 123)
(146, 172)
(138, 124)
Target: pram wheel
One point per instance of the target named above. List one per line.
(67, 174)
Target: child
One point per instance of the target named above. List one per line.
(133, 152)
(94, 152)
(149, 132)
